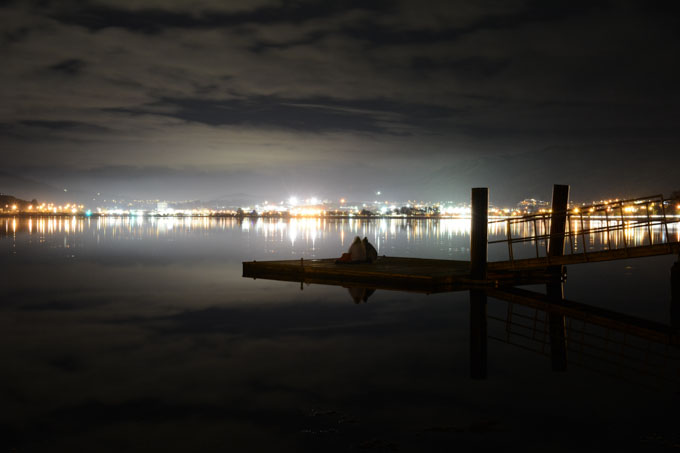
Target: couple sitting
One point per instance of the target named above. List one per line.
(359, 252)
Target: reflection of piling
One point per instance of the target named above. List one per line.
(554, 287)
(478, 256)
(557, 326)
(675, 294)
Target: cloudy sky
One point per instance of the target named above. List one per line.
(419, 100)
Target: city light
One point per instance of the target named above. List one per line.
(314, 206)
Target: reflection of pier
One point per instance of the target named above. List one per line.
(558, 239)
(598, 339)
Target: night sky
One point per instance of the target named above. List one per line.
(264, 99)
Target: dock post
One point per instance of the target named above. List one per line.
(675, 294)
(558, 219)
(478, 233)
(478, 257)
(555, 286)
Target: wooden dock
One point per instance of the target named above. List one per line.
(433, 275)
(391, 273)
(499, 279)
(401, 274)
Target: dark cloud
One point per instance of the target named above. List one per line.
(16, 35)
(257, 86)
(64, 125)
(531, 12)
(67, 364)
(306, 115)
(154, 20)
(71, 67)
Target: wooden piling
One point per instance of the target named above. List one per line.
(478, 258)
(558, 219)
(555, 287)
(478, 232)
(675, 294)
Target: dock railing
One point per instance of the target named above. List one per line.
(614, 225)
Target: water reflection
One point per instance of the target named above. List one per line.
(130, 333)
(600, 340)
(449, 235)
(360, 294)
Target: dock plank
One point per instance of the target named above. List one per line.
(392, 273)
(406, 274)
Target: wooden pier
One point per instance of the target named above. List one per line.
(430, 275)
(390, 273)
(401, 274)
(499, 279)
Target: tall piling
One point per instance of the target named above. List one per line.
(675, 294)
(555, 285)
(478, 258)
(478, 232)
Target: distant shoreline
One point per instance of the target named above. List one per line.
(227, 216)
(275, 217)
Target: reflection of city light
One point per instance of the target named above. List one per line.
(321, 237)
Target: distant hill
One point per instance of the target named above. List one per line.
(233, 200)
(8, 201)
(25, 188)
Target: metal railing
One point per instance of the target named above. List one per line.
(619, 224)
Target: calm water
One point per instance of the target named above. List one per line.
(138, 334)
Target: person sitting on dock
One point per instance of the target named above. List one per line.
(361, 251)
(356, 253)
(371, 252)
